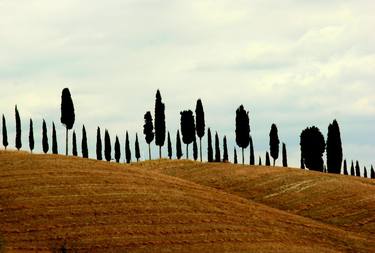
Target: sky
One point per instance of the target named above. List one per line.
(295, 63)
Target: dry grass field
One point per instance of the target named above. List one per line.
(163, 206)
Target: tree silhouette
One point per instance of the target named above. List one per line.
(334, 148)
(137, 151)
(225, 148)
(107, 146)
(365, 172)
(187, 129)
(169, 146)
(128, 154)
(235, 160)
(252, 156)
(117, 150)
(285, 156)
(45, 137)
(195, 150)
(357, 169)
(159, 122)
(67, 113)
(302, 162)
(85, 151)
(178, 146)
(31, 136)
(352, 172)
(372, 172)
(5, 134)
(200, 124)
(148, 131)
(99, 152)
(274, 143)
(210, 152)
(260, 161)
(75, 153)
(18, 130)
(268, 162)
(54, 140)
(345, 168)
(217, 149)
(312, 148)
(242, 129)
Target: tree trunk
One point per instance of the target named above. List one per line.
(160, 152)
(149, 152)
(243, 157)
(187, 151)
(66, 146)
(200, 148)
(274, 161)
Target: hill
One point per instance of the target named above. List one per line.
(93, 206)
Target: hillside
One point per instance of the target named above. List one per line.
(101, 207)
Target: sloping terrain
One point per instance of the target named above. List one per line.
(92, 206)
(344, 201)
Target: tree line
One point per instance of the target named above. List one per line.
(312, 142)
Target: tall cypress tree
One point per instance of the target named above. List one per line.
(117, 150)
(334, 148)
(187, 129)
(148, 131)
(312, 148)
(54, 140)
(345, 168)
(169, 146)
(225, 148)
(5, 134)
(195, 150)
(67, 113)
(274, 143)
(75, 152)
(18, 130)
(352, 172)
(217, 149)
(99, 152)
(357, 169)
(137, 151)
(178, 146)
(107, 146)
(365, 172)
(31, 136)
(252, 155)
(159, 122)
(235, 160)
(242, 129)
(260, 161)
(200, 124)
(372, 172)
(85, 151)
(210, 152)
(45, 137)
(128, 154)
(285, 156)
(268, 162)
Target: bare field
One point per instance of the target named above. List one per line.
(94, 206)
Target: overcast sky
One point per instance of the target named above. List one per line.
(296, 63)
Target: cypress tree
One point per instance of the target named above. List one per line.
(169, 146)
(99, 152)
(225, 148)
(148, 131)
(334, 148)
(242, 129)
(45, 138)
(200, 124)
(274, 143)
(54, 140)
(195, 150)
(357, 169)
(252, 156)
(187, 129)
(159, 122)
(235, 160)
(31, 136)
(178, 146)
(312, 148)
(128, 154)
(18, 130)
(352, 172)
(365, 172)
(107, 146)
(117, 150)
(67, 113)
(217, 149)
(260, 161)
(85, 151)
(5, 134)
(268, 162)
(372, 172)
(345, 168)
(285, 156)
(137, 151)
(75, 152)
(210, 152)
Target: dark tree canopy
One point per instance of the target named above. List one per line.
(260, 161)
(187, 128)
(67, 113)
(5, 133)
(312, 148)
(235, 160)
(159, 122)
(268, 162)
(18, 130)
(107, 146)
(99, 145)
(117, 150)
(45, 138)
(217, 149)
(85, 150)
(128, 153)
(352, 172)
(169, 146)
(148, 131)
(225, 150)
(137, 151)
(200, 124)
(285, 156)
(334, 148)
(357, 169)
(372, 172)
(274, 143)
(210, 152)
(252, 155)
(31, 136)
(54, 140)
(345, 168)
(178, 146)
(195, 150)
(242, 129)
(75, 152)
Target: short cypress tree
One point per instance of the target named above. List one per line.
(187, 129)
(200, 124)
(274, 143)
(169, 146)
(225, 148)
(260, 161)
(31, 136)
(85, 151)
(5, 134)
(128, 154)
(18, 130)
(75, 152)
(54, 140)
(117, 150)
(137, 151)
(45, 138)
(285, 156)
(242, 129)
(67, 113)
(252, 155)
(107, 146)
(217, 149)
(365, 172)
(352, 172)
(99, 152)
(210, 152)
(195, 150)
(312, 148)
(268, 162)
(345, 168)
(357, 169)
(334, 148)
(372, 172)
(148, 131)
(159, 122)
(235, 160)
(178, 146)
